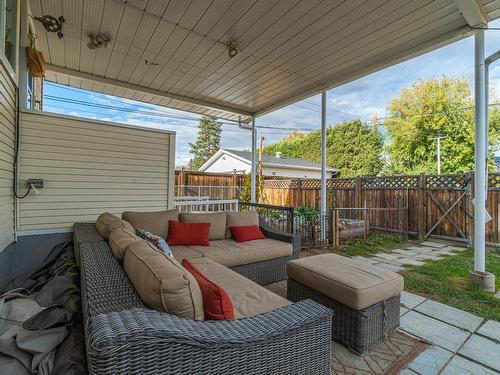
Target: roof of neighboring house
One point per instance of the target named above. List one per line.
(268, 160)
(496, 159)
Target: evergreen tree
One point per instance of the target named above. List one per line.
(207, 142)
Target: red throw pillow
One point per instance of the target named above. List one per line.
(217, 305)
(187, 233)
(245, 233)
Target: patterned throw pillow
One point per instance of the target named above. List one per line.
(157, 241)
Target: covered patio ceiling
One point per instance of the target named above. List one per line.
(173, 53)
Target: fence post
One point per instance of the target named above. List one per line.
(366, 220)
(335, 228)
(421, 219)
(357, 192)
(180, 183)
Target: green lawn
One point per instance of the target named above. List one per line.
(376, 243)
(446, 281)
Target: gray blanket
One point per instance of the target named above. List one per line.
(40, 319)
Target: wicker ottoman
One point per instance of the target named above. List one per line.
(364, 298)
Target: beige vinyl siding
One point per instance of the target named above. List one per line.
(90, 167)
(7, 146)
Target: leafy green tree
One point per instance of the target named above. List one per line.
(353, 147)
(429, 109)
(207, 142)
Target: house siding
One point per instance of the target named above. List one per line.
(7, 147)
(88, 168)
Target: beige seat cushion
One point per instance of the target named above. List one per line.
(237, 219)
(249, 298)
(161, 282)
(217, 222)
(352, 282)
(230, 253)
(154, 222)
(181, 252)
(107, 222)
(120, 239)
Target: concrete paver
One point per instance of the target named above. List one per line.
(450, 315)
(437, 332)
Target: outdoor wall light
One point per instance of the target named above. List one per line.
(98, 41)
(232, 50)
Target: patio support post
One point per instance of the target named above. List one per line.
(323, 167)
(253, 169)
(479, 276)
(23, 64)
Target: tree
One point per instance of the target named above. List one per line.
(429, 109)
(353, 147)
(207, 142)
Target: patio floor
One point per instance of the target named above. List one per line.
(462, 343)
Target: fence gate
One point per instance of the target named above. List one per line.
(447, 201)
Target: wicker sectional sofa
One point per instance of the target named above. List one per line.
(123, 336)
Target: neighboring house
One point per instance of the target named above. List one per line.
(233, 161)
(496, 160)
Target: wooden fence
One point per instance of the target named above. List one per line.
(434, 205)
(438, 206)
(212, 185)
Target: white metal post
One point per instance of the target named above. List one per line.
(323, 166)
(23, 64)
(439, 154)
(480, 153)
(253, 174)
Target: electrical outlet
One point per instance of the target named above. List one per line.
(36, 183)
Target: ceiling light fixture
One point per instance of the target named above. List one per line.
(51, 24)
(98, 41)
(232, 50)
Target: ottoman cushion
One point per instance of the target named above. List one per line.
(352, 282)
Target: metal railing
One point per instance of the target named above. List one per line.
(278, 217)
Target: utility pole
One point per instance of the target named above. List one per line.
(438, 138)
(375, 120)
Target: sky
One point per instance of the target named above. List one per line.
(357, 99)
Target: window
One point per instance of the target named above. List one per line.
(8, 31)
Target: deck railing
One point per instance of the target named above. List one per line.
(200, 204)
(278, 217)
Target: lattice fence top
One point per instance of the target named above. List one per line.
(433, 182)
(392, 182)
(280, 184)
(448, 181)
(342, 183)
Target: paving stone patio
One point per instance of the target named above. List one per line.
(463, 343)
(415, 255)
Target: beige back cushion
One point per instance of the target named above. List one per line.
(120, 239)
(217, 222)
(236, 219)
(154, 222)
(161, 282)
(107, 222)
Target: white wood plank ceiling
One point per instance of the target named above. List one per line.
(288, 49)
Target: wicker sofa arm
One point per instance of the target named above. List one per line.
(282, 236)
(267, 343)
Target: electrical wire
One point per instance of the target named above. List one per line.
(16, 155)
